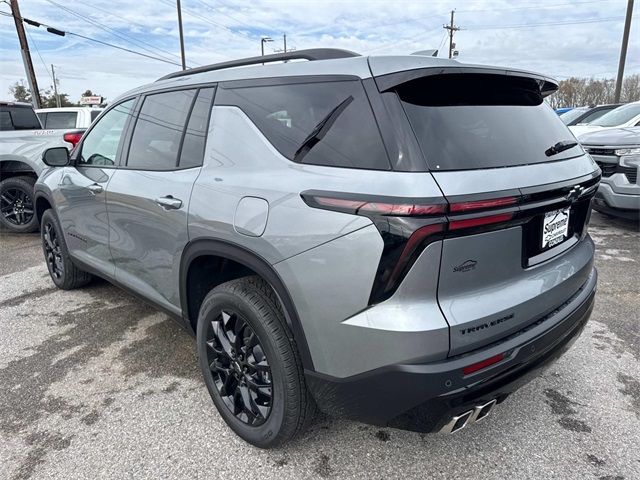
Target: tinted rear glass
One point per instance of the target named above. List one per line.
(472, 121)
(94, 114)
(61, 120)
(19, 118)
(289, 115)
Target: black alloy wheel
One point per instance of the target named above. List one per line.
(240, 368)
(52, 251)
(16, 206)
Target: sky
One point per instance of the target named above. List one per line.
(559, 38)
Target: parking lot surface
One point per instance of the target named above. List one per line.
(96, 384)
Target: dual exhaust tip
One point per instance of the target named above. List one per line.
(478, 413)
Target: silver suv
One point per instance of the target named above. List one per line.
(401, 240)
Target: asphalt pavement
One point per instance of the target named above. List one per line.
(96, 384)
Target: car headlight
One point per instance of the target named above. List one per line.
(627, 151)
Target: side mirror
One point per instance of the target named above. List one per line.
(56, 157)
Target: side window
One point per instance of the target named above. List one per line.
(59, 120)
(43, 119)
(158, 132)
(94, 114)
(100, 146)
(5, 121)
(192, 153)
(328, 123)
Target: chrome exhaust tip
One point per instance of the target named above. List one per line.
(478, 413)
(458, 422)
(482, 411)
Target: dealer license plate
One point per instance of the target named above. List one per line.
(555, 227)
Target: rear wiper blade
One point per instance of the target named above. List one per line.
(321, 129)
(560, 147)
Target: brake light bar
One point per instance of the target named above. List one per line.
(480, 221)
(483, 204)
(475, 367)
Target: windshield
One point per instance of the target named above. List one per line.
(471, 121)
(571, 115)
(618, 116)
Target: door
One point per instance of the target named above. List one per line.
(81, 198)
(148, 199)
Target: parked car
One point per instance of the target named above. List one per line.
(563, 110)
(22, 141)
(401, 239)
(617, 153)
(586, 115)
(624, 116)
(68, 117)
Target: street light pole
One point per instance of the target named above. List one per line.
(184, 63)
(264, 40)
(623, 51)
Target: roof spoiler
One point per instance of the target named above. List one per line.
(311, 54)
(389, 81)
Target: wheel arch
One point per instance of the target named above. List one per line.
(255, 265)
(42, 204)
(13, 168)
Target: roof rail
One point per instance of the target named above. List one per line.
(310, 54)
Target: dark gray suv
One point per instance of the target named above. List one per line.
(401, 240)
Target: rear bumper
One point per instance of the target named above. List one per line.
(423, 397)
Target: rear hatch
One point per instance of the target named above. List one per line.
(519, 190)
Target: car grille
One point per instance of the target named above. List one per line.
(609, 169)
(600, 151)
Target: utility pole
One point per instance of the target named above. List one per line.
(26, 56)
(623, 51)
(55, 86)
(452, 28)
(184, 63)
(284, 38)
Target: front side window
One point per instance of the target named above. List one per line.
(156, 139)
(100, 146)
(59, 120)
(319, 123)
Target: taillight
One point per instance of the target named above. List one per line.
(408, 226)
(72, 137)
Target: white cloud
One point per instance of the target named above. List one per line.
(220, 30)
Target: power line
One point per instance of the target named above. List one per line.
(38, 52)
(547, 24)
(131, 22)
(62, 33)
(109, 30)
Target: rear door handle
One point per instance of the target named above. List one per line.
(169, 203)
(95, 188)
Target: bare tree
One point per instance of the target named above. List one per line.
(575, 92)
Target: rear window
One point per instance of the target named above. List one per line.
(327, 123)
(61, 120)
(472, 121)
(19, 118)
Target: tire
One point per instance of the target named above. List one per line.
(62, 270)
(17, 207)
(273, 420)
